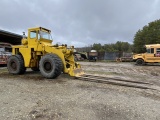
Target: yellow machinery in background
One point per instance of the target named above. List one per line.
(38, 53)
(152, 55)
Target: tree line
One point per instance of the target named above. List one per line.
(114, 47)
(149, 34)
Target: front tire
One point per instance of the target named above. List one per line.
(15, 64)
(50, 66)
(139, 62)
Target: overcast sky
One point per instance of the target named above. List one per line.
(80, 22)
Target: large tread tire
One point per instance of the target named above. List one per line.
(50, 66)
(15, 65)
(140, 62)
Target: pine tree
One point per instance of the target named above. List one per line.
(150, 34)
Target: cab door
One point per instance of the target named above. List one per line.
(150, 56)
(33, 39)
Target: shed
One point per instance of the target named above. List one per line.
(9, 37)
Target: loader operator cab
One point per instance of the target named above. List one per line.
(40, 35)
(37, 36)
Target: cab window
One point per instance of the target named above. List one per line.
(158, 50)
(150, 50)
(2, 49)
(33, 34)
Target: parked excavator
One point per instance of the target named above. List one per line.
(37, 52)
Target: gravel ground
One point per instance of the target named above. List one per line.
(32, 97)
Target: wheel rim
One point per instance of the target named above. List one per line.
(47, 66)
(14, 65)
(140, 62)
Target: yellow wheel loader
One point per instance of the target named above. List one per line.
(38, 53)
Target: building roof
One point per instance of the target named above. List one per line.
(9, 37)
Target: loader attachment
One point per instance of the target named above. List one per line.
(71, 67)
(75, 69)
(76, 72)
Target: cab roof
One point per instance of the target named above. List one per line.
(152, 45)
(39, 28)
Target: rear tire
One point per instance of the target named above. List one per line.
(15, 64)
(50, 66)
(140, 62)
